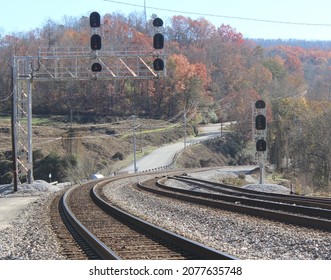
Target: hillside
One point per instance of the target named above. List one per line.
(75, 151)
(78, 150)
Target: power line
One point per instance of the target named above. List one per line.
(6, 98)
(222, 16)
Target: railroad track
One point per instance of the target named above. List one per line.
(316, 202)
(304, 211)
(72, 245)
(113, 234)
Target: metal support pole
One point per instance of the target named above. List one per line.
(30, 151)
(14, 153)
(262, 171)
(134, 144)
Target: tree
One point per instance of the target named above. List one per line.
(300, 140)
(188, 32)
(229, 34)
(314, 139)
(186, 82)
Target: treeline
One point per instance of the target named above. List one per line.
(212, 68)
(306, 44)
(206, 64)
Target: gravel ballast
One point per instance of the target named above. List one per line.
(242, 236)
(31, 237)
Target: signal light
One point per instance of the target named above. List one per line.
(96, 67)
(260, 104)
(96, 42)
(261, 145)
(158, 64)
(158, 41)
(260, 122)
(157, 22)
(95, 19)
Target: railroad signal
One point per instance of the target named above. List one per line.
(94, 19)
(260, 134)
(158, 44)
(261, 145)
(260, 128)
(260, 104)
(96, 42)
(157, 22)
(158, 41)
(96, 67)
(158, 64)
(260, 122)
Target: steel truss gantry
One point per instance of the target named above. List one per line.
(66, 64)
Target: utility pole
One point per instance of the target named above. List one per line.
(145, 12)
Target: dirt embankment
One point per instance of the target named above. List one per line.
(103, 147)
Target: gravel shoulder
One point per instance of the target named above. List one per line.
(28, 234)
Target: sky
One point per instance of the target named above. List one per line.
(277, 19)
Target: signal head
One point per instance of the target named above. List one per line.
(260, 104)
(158, 64)
(158, 41)
(96, 67)
(157, 22)
(96, 42)
(95, 19)
(260, 122)
(261, 145)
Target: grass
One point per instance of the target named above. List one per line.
(46, 121)
(5, 119)
(162, 129)
(37, 121)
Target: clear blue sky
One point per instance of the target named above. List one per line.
(24, 15)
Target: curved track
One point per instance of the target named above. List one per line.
(304, 211)
(114, 234)
(317, 202)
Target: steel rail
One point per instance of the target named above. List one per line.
(316, 202)
(189, 245)
(268, 204)
(96, 245)
(245, 209)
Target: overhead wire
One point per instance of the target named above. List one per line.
(6, 98)
(222, 16)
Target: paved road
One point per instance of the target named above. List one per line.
(11, 207)
(164, 156)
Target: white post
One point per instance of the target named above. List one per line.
(134, 145)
